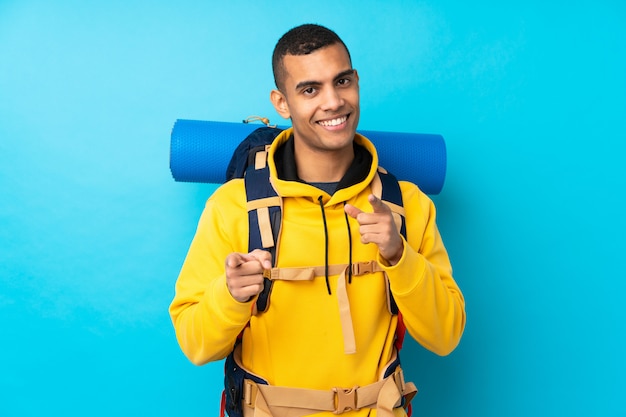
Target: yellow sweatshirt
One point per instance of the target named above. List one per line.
(298, 342)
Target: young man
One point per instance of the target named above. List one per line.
(325, 342)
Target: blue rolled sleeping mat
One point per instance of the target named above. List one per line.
(201, 150)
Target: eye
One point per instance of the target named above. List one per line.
(343, 82)
(309, 91)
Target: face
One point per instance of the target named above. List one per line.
(320, 95)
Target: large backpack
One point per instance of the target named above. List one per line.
(249, 161)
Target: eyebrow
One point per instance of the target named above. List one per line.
(342, 74)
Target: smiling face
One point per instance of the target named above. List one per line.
(320, 94)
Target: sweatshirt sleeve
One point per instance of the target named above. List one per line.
(206, 318)
(427, 295)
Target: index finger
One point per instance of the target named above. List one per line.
(234, 260)
(377, 204)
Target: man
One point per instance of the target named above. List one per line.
(327, 335)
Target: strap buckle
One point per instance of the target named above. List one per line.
(345, 399)
(361, 268)
(250, 392)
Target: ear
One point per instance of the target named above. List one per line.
(279, 101)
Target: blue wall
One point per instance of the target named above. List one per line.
(531, 100)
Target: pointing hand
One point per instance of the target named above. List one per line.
(244, 273)
(379, 227)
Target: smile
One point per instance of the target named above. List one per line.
(333, 122)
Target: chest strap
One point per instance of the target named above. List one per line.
(341, 270)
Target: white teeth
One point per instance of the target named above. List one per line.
(333, 122)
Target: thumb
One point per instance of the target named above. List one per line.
(377, 204)
(352, 211)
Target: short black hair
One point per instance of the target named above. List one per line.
(302, 40)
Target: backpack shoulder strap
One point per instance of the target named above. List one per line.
(392, 195)
(387, 188)
(264, 214)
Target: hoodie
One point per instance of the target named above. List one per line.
(299, 341)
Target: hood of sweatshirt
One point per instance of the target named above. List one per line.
(284, 177)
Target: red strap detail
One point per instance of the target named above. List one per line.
(409, 410)
(400, 331)
(223, 404)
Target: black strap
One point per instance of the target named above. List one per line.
(393, 194)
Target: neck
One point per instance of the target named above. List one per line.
(325, 166)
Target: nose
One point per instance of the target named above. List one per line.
(332, 100)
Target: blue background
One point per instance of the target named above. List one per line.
(530, 97)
